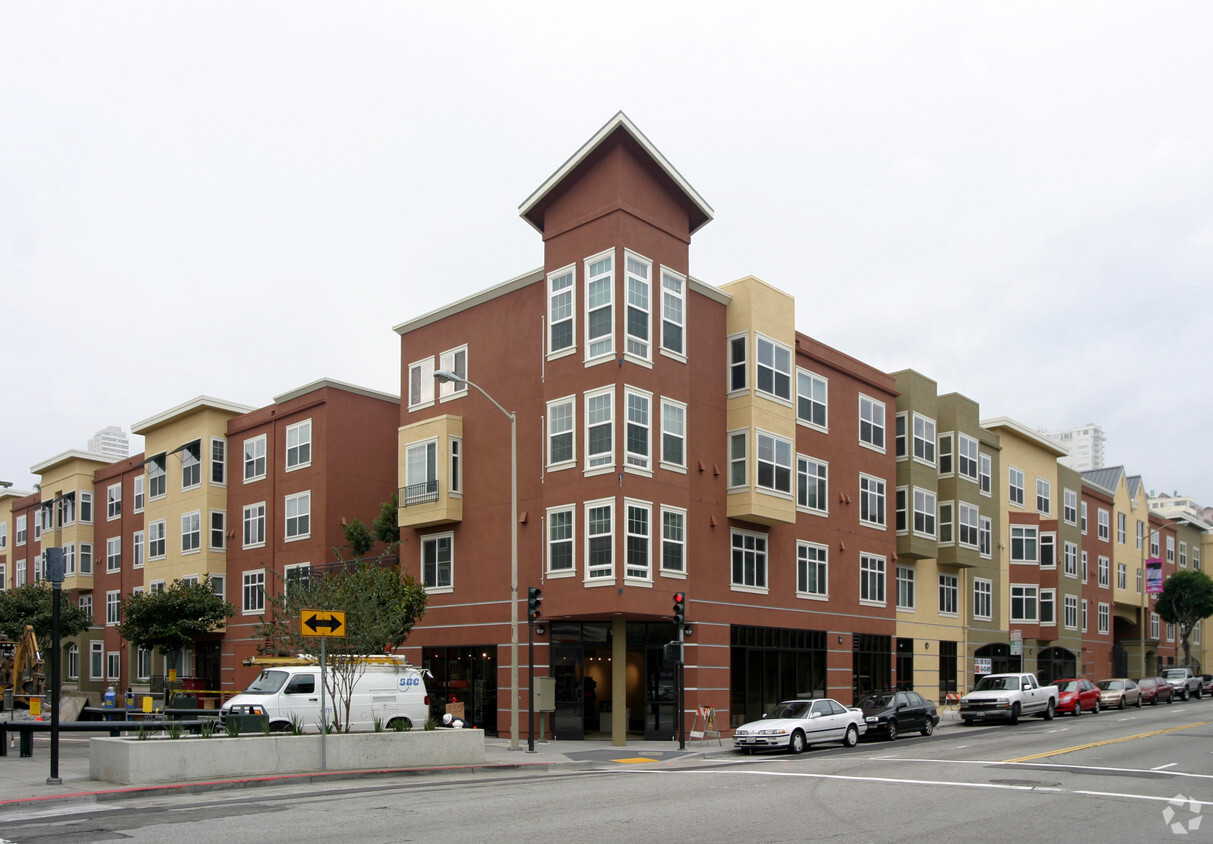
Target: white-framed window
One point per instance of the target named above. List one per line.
(905, 588)
(1141, 533)
(1070, 612)
(774, 463)
(1139, 580)
(219, 585)
(673, 313)
(1069, 506)
(421, 383)
(1025, 547)
(1070, 556)
(600, 429)
(1104, 616)
(1121, 529)
(299, 515)
(1083, 566)
(812, 485)
(871, 579)
(638, 432)
(1183, 555)
(438, 562)
(673, 540)
(218, 538)
(254, 458)
(599, 306)
(67, 511)
(1170, 632)
(1082, 615)
(138, 484)
(113, 607)
(143, 664)
(69, 560)
(73, 661)
(949, 594)
(967, 459)
(3, 577)
(812, 570)
(1048, 550)
(562, 327)
(945, 454)
(157, 477)
(295, 576)
(113, 665)
(96, 660)
(19, 573)
(812, 399)
(1048, 606)
(924, 439)
(191, 465)
(1082, 523)
(968, 525)
(254, 525)
(562, 436)
(191, 532)
(137, 549)
(113, 554)
(420, 472)
(986, 475)
(638, 540)
(901, 518)
(673, 435)
(561, 540)
(85, 603)
(157, 540)
(872, 503)
(924, 512)
(1154, 625)
(983, 599)
(900, 447)
(113, 501)
(455, 480)
(599, 540)
(1044, 497)
(1153, 544)
(86, 558)
(456, 361)
(773, 369)
(1104, 525)
(253, 592)
(739, 472)
(22, 533)
(1103, 568)
(1024, 599)
(299, 445)
(985, 536)
(1015, 486)
(1122, 576)
(738, 359)
(638, 316)
(218, 461)
(86, 508)
(871, 422)
(749, 560)
(1170, 547)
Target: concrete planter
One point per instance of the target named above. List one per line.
(129, 760)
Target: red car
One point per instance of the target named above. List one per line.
(1154, 689)
(1076, 695)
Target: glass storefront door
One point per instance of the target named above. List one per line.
(660, 695)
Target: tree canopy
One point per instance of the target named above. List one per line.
(32, 603)
(1186, 598)
(169, 620)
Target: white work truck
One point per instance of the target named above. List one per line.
(1006, 697)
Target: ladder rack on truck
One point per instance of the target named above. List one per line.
(309, 659)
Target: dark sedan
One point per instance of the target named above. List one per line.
(1154, 689)
(890, 714)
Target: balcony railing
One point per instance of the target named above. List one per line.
(423, 493)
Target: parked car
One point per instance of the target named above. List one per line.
(1186, 683)
(1075, 696)
(1154, 689)
(1007, 697)
(1119, 693)
(893, 713)
(1206, 681)
(796, 724)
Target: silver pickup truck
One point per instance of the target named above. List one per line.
(1006, 697)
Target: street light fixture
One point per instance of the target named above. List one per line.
(445, 376)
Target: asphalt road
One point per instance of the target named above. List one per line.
(1116, 776)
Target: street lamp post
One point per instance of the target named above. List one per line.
(445, 376)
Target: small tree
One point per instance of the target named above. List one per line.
(167, 621)
(1186, 598)
(380, 610)
(32, 604)
(360, 538)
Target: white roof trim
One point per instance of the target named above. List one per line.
(193, 404)
(321, 383)
(39, 468)
(1026, 433)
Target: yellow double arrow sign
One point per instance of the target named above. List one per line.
(323, 623)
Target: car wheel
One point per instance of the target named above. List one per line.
(796, 742)
(401, 724)
(1095, 711)
(1186, 695)
(1170, 699)
(1048, 716)
(1077, 709)
(892, 730)
(851, 738)
(928, 727)
(1139, 701)
(1121, 705)
(1199, 692)
(1014, 719)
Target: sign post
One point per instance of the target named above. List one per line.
(54, 573)
(323, 623)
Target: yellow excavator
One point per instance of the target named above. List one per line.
(21, 668)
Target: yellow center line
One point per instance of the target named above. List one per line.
(1108, 741)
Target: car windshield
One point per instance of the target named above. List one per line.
(790, 709)
(1175, 674)
(1146, 683)
(878, 701)
(1110, 684)
(267, 683)
(1067, 685)
(996, 684)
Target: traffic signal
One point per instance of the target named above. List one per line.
(534, 597)
(680, 608)
(673, 652)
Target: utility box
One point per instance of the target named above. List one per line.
(545, 694)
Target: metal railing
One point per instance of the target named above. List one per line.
(423, 493)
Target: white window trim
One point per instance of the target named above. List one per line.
(790, 446)
(988, 595)
(286, 445)
(449, 361)
(644, 463)
(571, 271)
(813, 376)
(759, 339)
(608, 464)
(608, 353)
(422, 542)
(556, 466)
(884, 495)
(804, 508)
(674, 354)
(425, 381)
(766, 556)
(244, 575)
(244, 460)
(954, 588)
(625, 524)
(884, 577)
(884, 424)
(645, 359)
(660, 552)
(287, 536)
(601, 579)
(571, 571)
(264, 525)
(193, 514)
(813, 596)
(662, 462)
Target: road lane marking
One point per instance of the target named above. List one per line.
(1089, 745)
(1168, 765)
(1096, 768)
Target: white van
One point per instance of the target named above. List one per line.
(390, 692)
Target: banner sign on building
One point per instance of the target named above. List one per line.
(1153, 576)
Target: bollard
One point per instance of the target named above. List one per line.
(27, 744)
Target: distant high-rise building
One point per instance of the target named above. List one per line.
(1085, 444)
(110, 442)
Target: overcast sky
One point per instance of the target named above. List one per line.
(236, 199)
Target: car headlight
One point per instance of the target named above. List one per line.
(775, 732)
(872, 719)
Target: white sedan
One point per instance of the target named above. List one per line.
(796, 724)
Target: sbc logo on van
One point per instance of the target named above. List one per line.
(407, 683)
